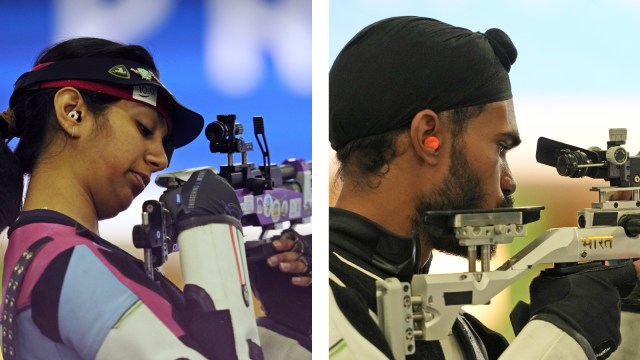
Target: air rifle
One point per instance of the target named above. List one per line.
(426, 308)
(270, 195)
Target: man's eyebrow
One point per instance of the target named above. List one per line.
(513, 137)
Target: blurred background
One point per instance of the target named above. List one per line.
(243, 57)
(575, 77)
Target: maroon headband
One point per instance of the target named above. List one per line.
(143, 94)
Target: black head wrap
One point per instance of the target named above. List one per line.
(396, 67)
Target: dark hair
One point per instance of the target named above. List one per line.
(34, 120)
(364, 161)
(11, 185)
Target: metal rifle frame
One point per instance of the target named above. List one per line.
(426, 308)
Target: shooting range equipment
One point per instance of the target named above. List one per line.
(270, 195)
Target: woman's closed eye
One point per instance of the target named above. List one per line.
(145, 131)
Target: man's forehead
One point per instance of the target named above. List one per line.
(498, 118)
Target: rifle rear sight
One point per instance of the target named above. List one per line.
(612, 164)
(224, 137)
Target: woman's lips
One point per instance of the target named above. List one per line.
(141, 180)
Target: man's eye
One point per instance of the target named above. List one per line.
(503, 148)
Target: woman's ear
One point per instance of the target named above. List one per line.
(426, 135)
(69, 107)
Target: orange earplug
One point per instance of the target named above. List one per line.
(432, 142)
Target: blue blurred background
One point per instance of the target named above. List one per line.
(563, 46)
(576, 72)
(243, 57)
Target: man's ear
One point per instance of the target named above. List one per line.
(426, 135)
(69, 108)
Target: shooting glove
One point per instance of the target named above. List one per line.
(288, 307)
(204, 199)
(584, 304)
(629, 293)
(302, 245)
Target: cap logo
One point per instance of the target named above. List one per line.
(146, 93)
(144, 73)
(119, 71)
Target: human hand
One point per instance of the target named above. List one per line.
(585, 304)
(283, 299)
(293, 256)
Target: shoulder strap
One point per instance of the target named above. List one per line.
(8, 320)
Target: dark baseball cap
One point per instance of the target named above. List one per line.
(396, 67)
(121, 78)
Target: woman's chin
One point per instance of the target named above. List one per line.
(112, 210)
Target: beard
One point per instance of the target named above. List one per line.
(461, 190)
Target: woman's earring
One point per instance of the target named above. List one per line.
(73, 132)
(74, 115)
